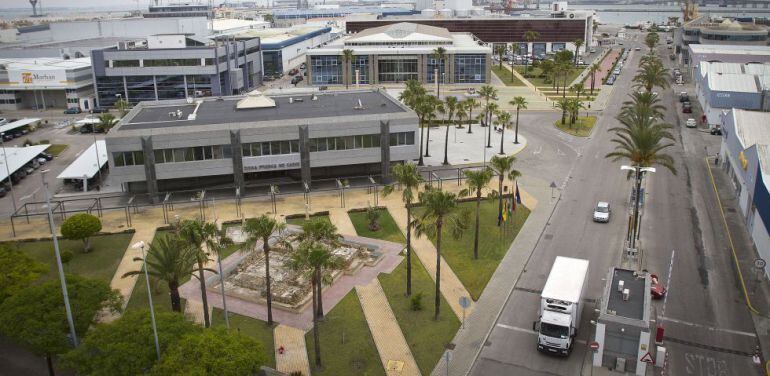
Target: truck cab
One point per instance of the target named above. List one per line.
(555, 333)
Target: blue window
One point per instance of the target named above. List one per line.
(470, 69)
(326, 70)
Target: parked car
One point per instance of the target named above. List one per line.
(672, 57)
(602, 212)
(684, 97)
(637, 49)
(72, 110)
(3, 191)
(100, 110)
(296, 80)
(47, 156)
(715, 130)
(8, 136)
(593, 50)
(686, 108)
(303, 66)
(690, 123)
(610, 80)
(293, 71)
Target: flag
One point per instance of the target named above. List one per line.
(513, 205)
(518, 195)
(505, 211)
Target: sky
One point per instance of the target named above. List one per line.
(76, 3)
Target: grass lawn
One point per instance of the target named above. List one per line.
(388, 229)
(251, 327)
(347, 347)
(581, 128)
(100, 263)
(535, 79)
(493, 244)
(160, 294)
(56, 149)
(504, 74)
(300, 220)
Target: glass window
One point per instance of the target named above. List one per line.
(275, 147)
(470, 69)
(294, 146)
(246, 150)
(350, 142)
(265, 148)
(189, 154)
(394, 139)
(169, 155)
(170, 87)
(285, 147)
(397, 68)
(125, 63)
(339, 143)
(367, 141)
(120, 161)
(227, 151)
(179, 155)
(326, 70)
(138, 158)
(198, 153)
(321, 144)
(208, 152)
(410, 138)
(159, 156)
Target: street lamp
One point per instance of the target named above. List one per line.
(63, 281)
(8, 170)
(140, 245)
(638, 170)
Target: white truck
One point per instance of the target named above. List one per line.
(561, 306)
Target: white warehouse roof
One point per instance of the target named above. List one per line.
(729, 49)
(18, 157)
(752, 127)
(86, 163)
(737, 83)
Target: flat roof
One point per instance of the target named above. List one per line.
(633, 308)
(223, 110)
(460, 43)
(18, 123)
(737, 83)
(751, 127)
(729, 49)
(45, 63)
(18, 157)
(86, 162)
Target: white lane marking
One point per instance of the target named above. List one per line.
(539, 149)
(530, 331)
(711, 328)
(29, 195)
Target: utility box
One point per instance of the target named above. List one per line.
(623, 328)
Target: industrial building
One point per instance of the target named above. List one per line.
(745, 157)
(399, 52)
(726, 54)
(623, 327)
(285, 48)
(43, 83)
(169, 66)
(252, 140)
(722, 86)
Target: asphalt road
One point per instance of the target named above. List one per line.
(708, 328)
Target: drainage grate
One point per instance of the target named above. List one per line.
(548, 236)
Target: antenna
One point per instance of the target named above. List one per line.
(34, 7)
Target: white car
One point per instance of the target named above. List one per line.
(690, 123)
(602, 212)
(637, 49)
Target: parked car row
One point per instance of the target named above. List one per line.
(26, 170)
(616, 72)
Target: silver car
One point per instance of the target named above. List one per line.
(602, 212)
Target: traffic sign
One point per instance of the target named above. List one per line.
(465, 302)
(760, 263)
(647, 358)
(594, 346)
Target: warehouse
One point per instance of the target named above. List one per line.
(284, 48)
(722, 86)
(243, 141)
(44, 83)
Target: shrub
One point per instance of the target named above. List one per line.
(417, 302)
(373, 218)
(81, 226)
(66, 257)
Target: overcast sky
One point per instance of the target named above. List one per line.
(76, 3)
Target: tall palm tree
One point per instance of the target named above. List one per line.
(263, 229)
(521, 104)
(433, 107)
(578, 43)
(578, 88)
(408, 177)
(490, 109)
(268, 18)
(169, 259)
(196, 233)
(574, 106)
(592, 71)
(652, 74)
(450, 107)
(476, 180)
(324, 233)
(530, 36)
(439, 54)
(504, 121)
(461, 114)
(546, 67)
(413, 97)
(516, 50)
(563, 105)
(488, 93)
(643, 104)
(440, 208)
(470, 104)
(502, 165)
(500, 50)
(218, 244)
(347, 57)
(651, 40)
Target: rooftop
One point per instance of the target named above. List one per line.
(86, 163)
(212, 111)
(402, 31)
(751, 127)
(17, 157)
(45, 63)
(729, 49)
(633, 308)
(737, 83)
(283, 36)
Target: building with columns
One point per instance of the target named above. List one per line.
(254, 140)
(400, 52)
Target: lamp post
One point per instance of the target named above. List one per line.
(8, 170)
(140, 245)
(638, 170)
(98, 164)
(59, 266)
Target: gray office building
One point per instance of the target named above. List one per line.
(175, 66)
(244, 141)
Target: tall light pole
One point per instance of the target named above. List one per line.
(638, 170)
(98, 165)
(140, 245)
(8, 170)
(62, 280)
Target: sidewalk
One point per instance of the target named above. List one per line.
(478, 324)
(294, 357)
(394, 352)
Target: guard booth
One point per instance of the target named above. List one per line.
(623, 327)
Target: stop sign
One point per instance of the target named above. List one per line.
(594, 346)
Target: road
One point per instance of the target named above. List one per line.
(708, 328)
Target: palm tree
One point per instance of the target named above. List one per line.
(652, 74)
(461, 114)
(521, 104)
(264, 229)
(451, 105)
(530, 36)
(500, 50)
(578, 43)
(433, 106)
(470, 104)
(643, 104)
(592, 71)
(504, 121)
(347, 57)
(218, 244)
(408, 177)
(107, 121)
(324, 233)
(488, 93)
(563, 105)
(439, 54)
(268, 18)
(651, 40)
(502, 165)
(440, 208)
(491, 110)
(516, 50)
(123, 106)
(169, 259)
(578, 88)
(547, 68)
(196, 233)
(414, 97)
(574, 107)
(476, 180)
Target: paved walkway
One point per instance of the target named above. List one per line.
(341, 219)
(193, 309)
(394, 352)
(294, 357)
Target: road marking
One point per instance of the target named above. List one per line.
(530, 331)
(711, 328)
(539, 149)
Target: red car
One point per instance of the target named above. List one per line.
(657, 289)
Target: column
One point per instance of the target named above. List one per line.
(304, 154)
(149, 169)
(449, 67)
(385, 150)
(235, 144)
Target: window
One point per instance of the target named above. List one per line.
(397, 68)
(172, 62)
(351, 142)
(326, 70)
(125, 63)
(401, 138)
(470, 69)
(128, 158)
(257, 149)
(196, 153)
